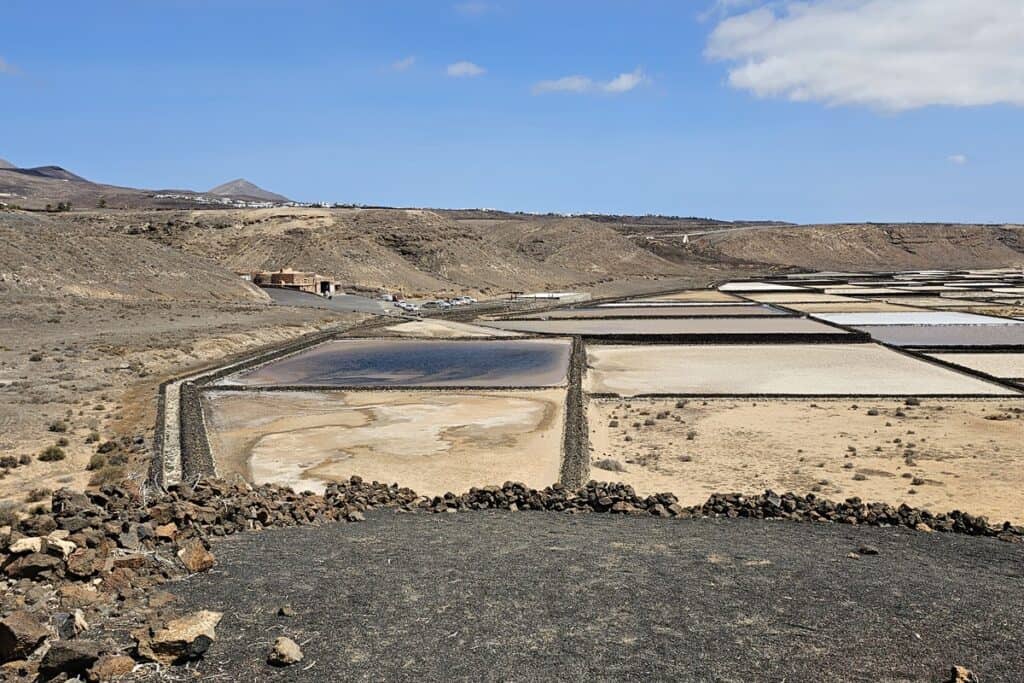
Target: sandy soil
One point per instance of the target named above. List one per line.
(941, 455)
(446, 329)
(1008, 365)
(846, 369)
(695, 295)
(99, 365)
(433, 442)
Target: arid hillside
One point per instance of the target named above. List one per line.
(417, 251)
(859, 247)
(52, 256)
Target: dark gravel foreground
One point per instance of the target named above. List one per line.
(529, 596)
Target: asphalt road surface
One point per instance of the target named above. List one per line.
(539, 596)
(340, 302)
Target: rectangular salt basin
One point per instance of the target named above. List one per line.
(798, 297)
(655, 312)
(757, 287)
(866, 306)
(856, 446)
(695, 295)
(912, 318)
(932, 302)
(1004, 365)
(417, 362)
(947, 335)
(753, 326)
(863, 291)
(430, 441)
(682, 305)
(821, 369)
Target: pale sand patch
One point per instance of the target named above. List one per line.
(1008, 365)
(846, 369)
(966, 462)
(445, 329)
(695, 295)
(430, 441)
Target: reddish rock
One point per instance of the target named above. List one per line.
(20, 634)
(84, 562)
(180, 640)
(195, 556)
(109, 668)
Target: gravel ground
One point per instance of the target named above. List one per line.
(530, 596)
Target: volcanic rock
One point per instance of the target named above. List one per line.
(180, 640)
(110, 667)
(195, 556)
(20, 634)
(72, 657)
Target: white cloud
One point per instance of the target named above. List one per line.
(465, 70)
(565, 84)
(626, 82)
(403, 64)
(721, 8)
(886, 54)
(958, 159)
(583, 84)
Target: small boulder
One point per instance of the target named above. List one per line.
(72, 657)
(70, 624)
(109, 668)
(20, 634)
(194, 555)
(961, 674)
(180, 640)
(284, 653)
(31, 565)
(84, 562)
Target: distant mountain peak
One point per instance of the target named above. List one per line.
(6, 164)
(243, 188)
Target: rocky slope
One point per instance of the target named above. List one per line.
(416, 251)
(871, 246)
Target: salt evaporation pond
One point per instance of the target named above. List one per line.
(947, 335)
(415, 362)
(641, 311)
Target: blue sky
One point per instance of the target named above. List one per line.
(732, 109)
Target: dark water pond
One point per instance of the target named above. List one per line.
(414, 362)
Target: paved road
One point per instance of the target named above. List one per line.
(340, 302)
(540, 596)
